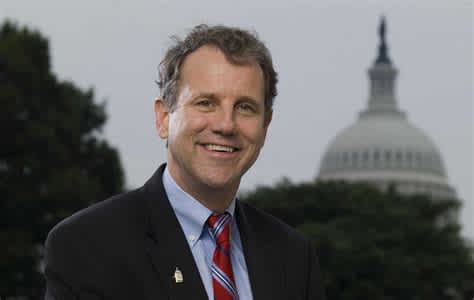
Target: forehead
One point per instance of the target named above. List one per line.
(208, 70)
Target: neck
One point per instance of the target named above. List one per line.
(216, 199)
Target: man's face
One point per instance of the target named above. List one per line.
(218, 126)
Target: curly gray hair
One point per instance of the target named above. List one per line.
(240, 47)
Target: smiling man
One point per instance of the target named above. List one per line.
(184, 235)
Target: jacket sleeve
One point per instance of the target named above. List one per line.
(60, 270)
(55, 288)
(58, 290)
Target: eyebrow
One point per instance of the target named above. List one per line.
(249, 99)
(211, 96)
(214, 96)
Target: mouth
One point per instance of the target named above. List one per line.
(221, 148)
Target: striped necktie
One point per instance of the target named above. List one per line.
(222, 276)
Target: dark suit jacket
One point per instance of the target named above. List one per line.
(128, 247)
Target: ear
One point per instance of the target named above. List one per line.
(161, 118)
(267, 118)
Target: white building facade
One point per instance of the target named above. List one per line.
(383, 147)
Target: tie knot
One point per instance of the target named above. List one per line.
(219, 228)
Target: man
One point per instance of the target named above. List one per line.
(184, 235)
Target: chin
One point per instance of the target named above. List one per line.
(218, 180)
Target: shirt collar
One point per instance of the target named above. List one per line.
(191, 214)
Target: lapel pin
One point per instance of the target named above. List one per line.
(178, 276)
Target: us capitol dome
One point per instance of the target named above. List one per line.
(383, 147)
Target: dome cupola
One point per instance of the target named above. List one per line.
(382, 146)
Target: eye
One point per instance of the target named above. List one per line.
(247, 107)
(205, 104)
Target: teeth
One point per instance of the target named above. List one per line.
(214, 147)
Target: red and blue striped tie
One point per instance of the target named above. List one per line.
(222, 276)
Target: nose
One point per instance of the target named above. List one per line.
(224, 122)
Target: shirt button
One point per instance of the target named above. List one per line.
(192, 238)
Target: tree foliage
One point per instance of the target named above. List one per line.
(53, 160)
(375, 245)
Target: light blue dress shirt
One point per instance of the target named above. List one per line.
(192, 216)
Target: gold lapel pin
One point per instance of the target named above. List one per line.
(178, 276)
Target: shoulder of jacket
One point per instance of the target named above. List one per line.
(112, 212)
(272, 225)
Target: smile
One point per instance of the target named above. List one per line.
(220, 148)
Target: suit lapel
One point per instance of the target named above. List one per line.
(261, 256)
(167, 247)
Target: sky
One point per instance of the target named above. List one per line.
(321, 50)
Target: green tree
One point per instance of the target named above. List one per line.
(375, 245)
(53, 159)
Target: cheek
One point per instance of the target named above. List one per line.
(254, 132)
(185, 124)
